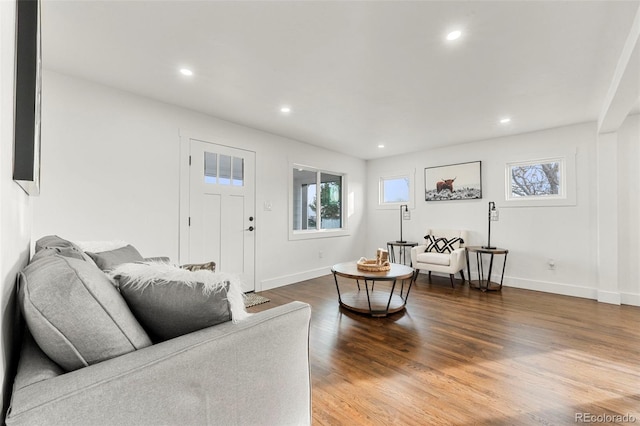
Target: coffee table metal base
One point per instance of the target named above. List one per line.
(378, 293)
(376, 303)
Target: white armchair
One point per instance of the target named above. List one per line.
(442, 251)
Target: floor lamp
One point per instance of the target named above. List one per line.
(493, 216)
(406, 209)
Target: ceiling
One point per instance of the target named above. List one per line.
(355, 74)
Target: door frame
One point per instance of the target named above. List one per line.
(184, 196)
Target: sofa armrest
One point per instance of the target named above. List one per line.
(415, 251)
(252, 372)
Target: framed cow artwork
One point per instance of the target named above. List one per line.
(462, 181)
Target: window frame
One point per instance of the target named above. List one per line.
(396, 175)
(566, 187)
(302, 234)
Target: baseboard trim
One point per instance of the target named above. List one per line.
(544, 286)
(294, 278)
(630, 299)
(612, 297)
(551, 287)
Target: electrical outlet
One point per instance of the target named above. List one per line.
(551, 264)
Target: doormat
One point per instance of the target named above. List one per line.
(252, 299)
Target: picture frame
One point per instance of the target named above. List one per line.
(461, 181)
(27, 97)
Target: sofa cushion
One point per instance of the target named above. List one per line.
(75, 314)
(170, 301)
(442, 244)
(52, 244)
(434, 258)
(107, 260)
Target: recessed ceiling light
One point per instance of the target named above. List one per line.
(454, 35)
(185, 71)
(505, 120)
(285, 109)
(380, 145)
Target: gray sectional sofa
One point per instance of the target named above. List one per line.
(253, 371)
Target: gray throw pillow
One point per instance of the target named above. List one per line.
(107, 260)
(170, 301)
(75, 314)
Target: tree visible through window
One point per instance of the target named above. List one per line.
(535, 179)
(330, 202)
(317, 200)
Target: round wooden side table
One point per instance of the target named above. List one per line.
(485, 284)
(402, 251)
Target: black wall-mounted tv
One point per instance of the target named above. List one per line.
(28, 86)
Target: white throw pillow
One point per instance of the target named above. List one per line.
(100, 246)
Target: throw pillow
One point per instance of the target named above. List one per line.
(170, 301)
(62, 251)
(442, 244)
(52, 244)
(209, 266)
(75, 314)
(99, 246)
(107, 260)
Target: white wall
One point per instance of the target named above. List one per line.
(533, 235)
(15, 210)
(629, 210)
(110, 170)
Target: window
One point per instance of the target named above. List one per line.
(546, 182)
(395, 189)
(317, 201)
(223, 169)
(536, 179)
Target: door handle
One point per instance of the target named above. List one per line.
(250, 228)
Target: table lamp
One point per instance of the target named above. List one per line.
(493, 216)
(406, 209)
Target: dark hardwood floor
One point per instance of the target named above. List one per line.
(463, 357)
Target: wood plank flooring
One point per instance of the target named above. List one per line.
(457, 356)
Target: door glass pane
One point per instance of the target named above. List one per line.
(210, 167)
(238, 171)
(330, 201)
(225, 170)
(304, 199)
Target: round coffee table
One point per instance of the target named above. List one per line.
(377, 301)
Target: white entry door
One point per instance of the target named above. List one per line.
(221, 209)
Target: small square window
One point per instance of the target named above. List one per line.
(395, 189)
